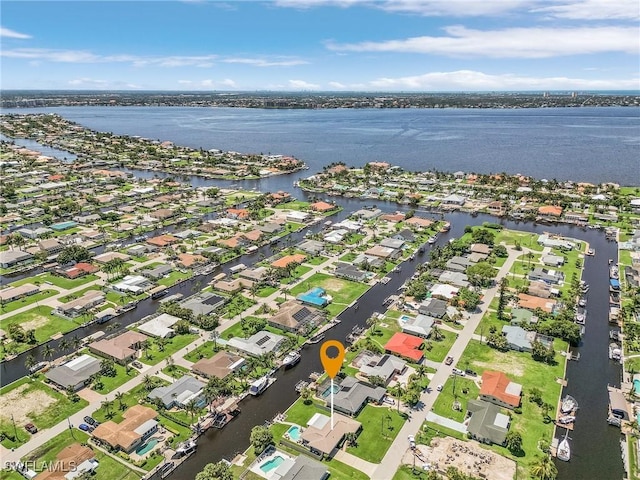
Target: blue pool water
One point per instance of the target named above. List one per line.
(327, 392)
(148, 445)
(405, 318)
(271, 463)
(294, 432)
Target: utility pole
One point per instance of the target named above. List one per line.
(15, 430)
(71, 428)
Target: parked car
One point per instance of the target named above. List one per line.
(412, 442)
(31, 428)
(468, 371)
(439, 388)
(457, 371)
(84, 427)
(449, 360)
(136, 364)
(91, 421)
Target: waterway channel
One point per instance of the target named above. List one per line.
(595, 444)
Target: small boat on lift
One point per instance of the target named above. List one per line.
(564, 451)
(569, 404)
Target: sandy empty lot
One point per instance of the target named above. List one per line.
(22, 405)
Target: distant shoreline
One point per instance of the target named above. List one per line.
(320, 100)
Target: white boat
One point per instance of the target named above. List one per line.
(568, 405)
(259, 386)
(187, 447)
(565, 419)
(564, 451)
(291, 359)
(615, 353)
(431, 240)
(38, 366)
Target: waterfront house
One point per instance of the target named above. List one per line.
(312, 247)
(75, 308)
(188, 260)
(552, 260)
(15, 293)
(547, 276)
(316, 297)
(551, 212)
(420, 326)
(323, 436)
(522, 316)
(50, 246)
(521, 340)
(13, 258)
(353, 395)
(294, 317)
(135, 284)
(72, 461)
(179, 393)
(106, 257)
(433, 307)
(257, 344)
(80, 269)
(203, 303)
(458, 279)
(283, 262)
(160, 326)
(386, 366)
(498, 389)
(157, 272)
(221, 365)
(350, 272)
(122, 348)
(454, 200)
(138, 424)
(405, 235)
(386, 253)
(162, 241)
(322, 207)
(418, 223)
(486, 423)
(75, 373)
(531, 302)
(297, 216)
(369, 260)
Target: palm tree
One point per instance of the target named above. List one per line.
(107, 405)
(543, 468)
(148, 382)
(75, 342)
(398, 391)
(48, 351)
(64, 344)
(119, 397)
(29, 362)
(437, 333)
(161, 343)
(191, 407)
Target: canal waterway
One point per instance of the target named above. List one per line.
(595, 444)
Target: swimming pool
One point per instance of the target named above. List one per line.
(327, 392)
(405, 318)
(272, 463)
(294, 432)
(148, 445)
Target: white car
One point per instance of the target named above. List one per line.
(439, 388)
(457, 371)
(412, 442)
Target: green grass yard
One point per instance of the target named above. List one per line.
(26, 301)
(380, 426)
(154, 355)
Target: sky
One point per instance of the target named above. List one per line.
(321, 45)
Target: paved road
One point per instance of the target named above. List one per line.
(393, 458)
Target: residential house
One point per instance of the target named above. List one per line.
(554, 277)
(254, 274)
(386, 253)
(498, 389)
(454, 200)
(238, 213)
(458, 264)
(108, 256)
(270, 228)
(204, 303)
(294, 317)
(221, 365)
(78, 270)
(34, 233)
(312, 247)
(298, 217)
(522, 316)
(13, 258)
(553, 242)
(443, 291)
(72, 461)
(395, 243)
(540, 289)
(179, 393)
(138, 424)
(188, 260)
(301, 467)
(433, 307)
(480, 248)
(160, 326)
(405, 235)
(420, 326)
(323, 436)
(487, 424)
(122, 348)
(552, 260)
(135, 284)
(50, 246)
(283, 262)
(157, 272)
(354, 395)
(75, 308)
(322, 207)
(368, 260)
(419, 223)
(497, 208)
(458, 279)
(386, 366)
(367, 213)
(521, 340)
(551, 212)
(406, 346)
(316, 297)
(350, 272)
(74, 374)
(257, 344)
(162, 214)
(15, 293)
(163, 241)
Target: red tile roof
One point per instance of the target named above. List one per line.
(494, 384)
(405, 346)
(321, 206)
(284, 261)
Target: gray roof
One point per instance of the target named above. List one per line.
(303, 468)
(382, 366)
(311, 246)
(9, 256)
(258, 343)
(354, 394)
(179, 391)
(433, 307)
(75, 371)
(487, 422)
(420, 325)
(392, 243)
(157, 272)
(349, 271)
(454, 278)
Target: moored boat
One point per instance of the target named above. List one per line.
(569, 404)
(259, 386)
(187, 447)
(291, 359)
(615, 352)
(566, 419)
(564, 451)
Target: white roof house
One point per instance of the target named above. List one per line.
(257, 344)
(159, 326)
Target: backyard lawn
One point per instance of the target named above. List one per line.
(237, 305)
(203, 351)
(173, 278)
(25, 301)
(40, 320)
(342, 291)
(439, 348)
(111, 383)
(31, 400)
(63, 282)
(155, 354)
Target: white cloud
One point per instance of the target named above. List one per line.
(509, 42)
(89, 82)
(337, 85)
(259, 62)
(302, 85)
(472, 81)
(593, 10)
(208, 83)
(227, 82)
(6, 33)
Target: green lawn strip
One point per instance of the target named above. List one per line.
(266, 291)
(407, 472)
(316, 260)
(300, 414)
(380, 426)
(175, 371)
(632, 364)
(342, 471)
(109, 384)
(66, 282)
(440, 348)
(624, 257)
(430, 430)
(26, 301)
(10, 475)
(293, 205)
(526, 240)
(203, 351)
(40, 319)
(173, 278)
(445, 402)
(489, 321)
(342, 291)
(132, 397)
(523, 266)
(78, 294)
(236, 305)
(55, 413)
(154, 356)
